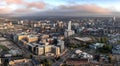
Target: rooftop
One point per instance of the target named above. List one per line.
(21, 62)
(84, 39)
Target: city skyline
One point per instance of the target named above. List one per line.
(60, 7)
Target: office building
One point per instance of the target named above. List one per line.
(21, 62)
(69, 32)
(40, 50)
(32, 38)
(47, 48)
(56, 50)
(61, 45)
(114, 18)
(20, 36)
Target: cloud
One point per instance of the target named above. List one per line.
(20, 6)
(14, 1)
(38, 5)
(23, 10)
(77, 10)
(86, 8)
(25, 3)
(5, 10)
(25, 7)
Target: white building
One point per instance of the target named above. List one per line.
(81, 54)
(61, 45)
(97, 45)
(114, 18)
(69, 32)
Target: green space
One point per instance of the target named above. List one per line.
(118, 41)
(46, 62)
(105, 49)
(102, 39)
(4, 48)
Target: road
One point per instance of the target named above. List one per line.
(12, 45)
(63, 58)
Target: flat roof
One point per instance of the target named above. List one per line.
(83, 39)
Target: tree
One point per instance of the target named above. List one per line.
(55, 41)
(57, 58)
(64, 65)
(103, 39)
(105, 49)
(46, 62)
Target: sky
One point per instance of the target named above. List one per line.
(60, 7)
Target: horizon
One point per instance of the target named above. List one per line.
(59, 8)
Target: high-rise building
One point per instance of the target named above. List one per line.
(61, 45)
(69, 25)
(114, 18)
(68, 32)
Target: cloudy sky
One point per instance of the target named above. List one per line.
(60, 7)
